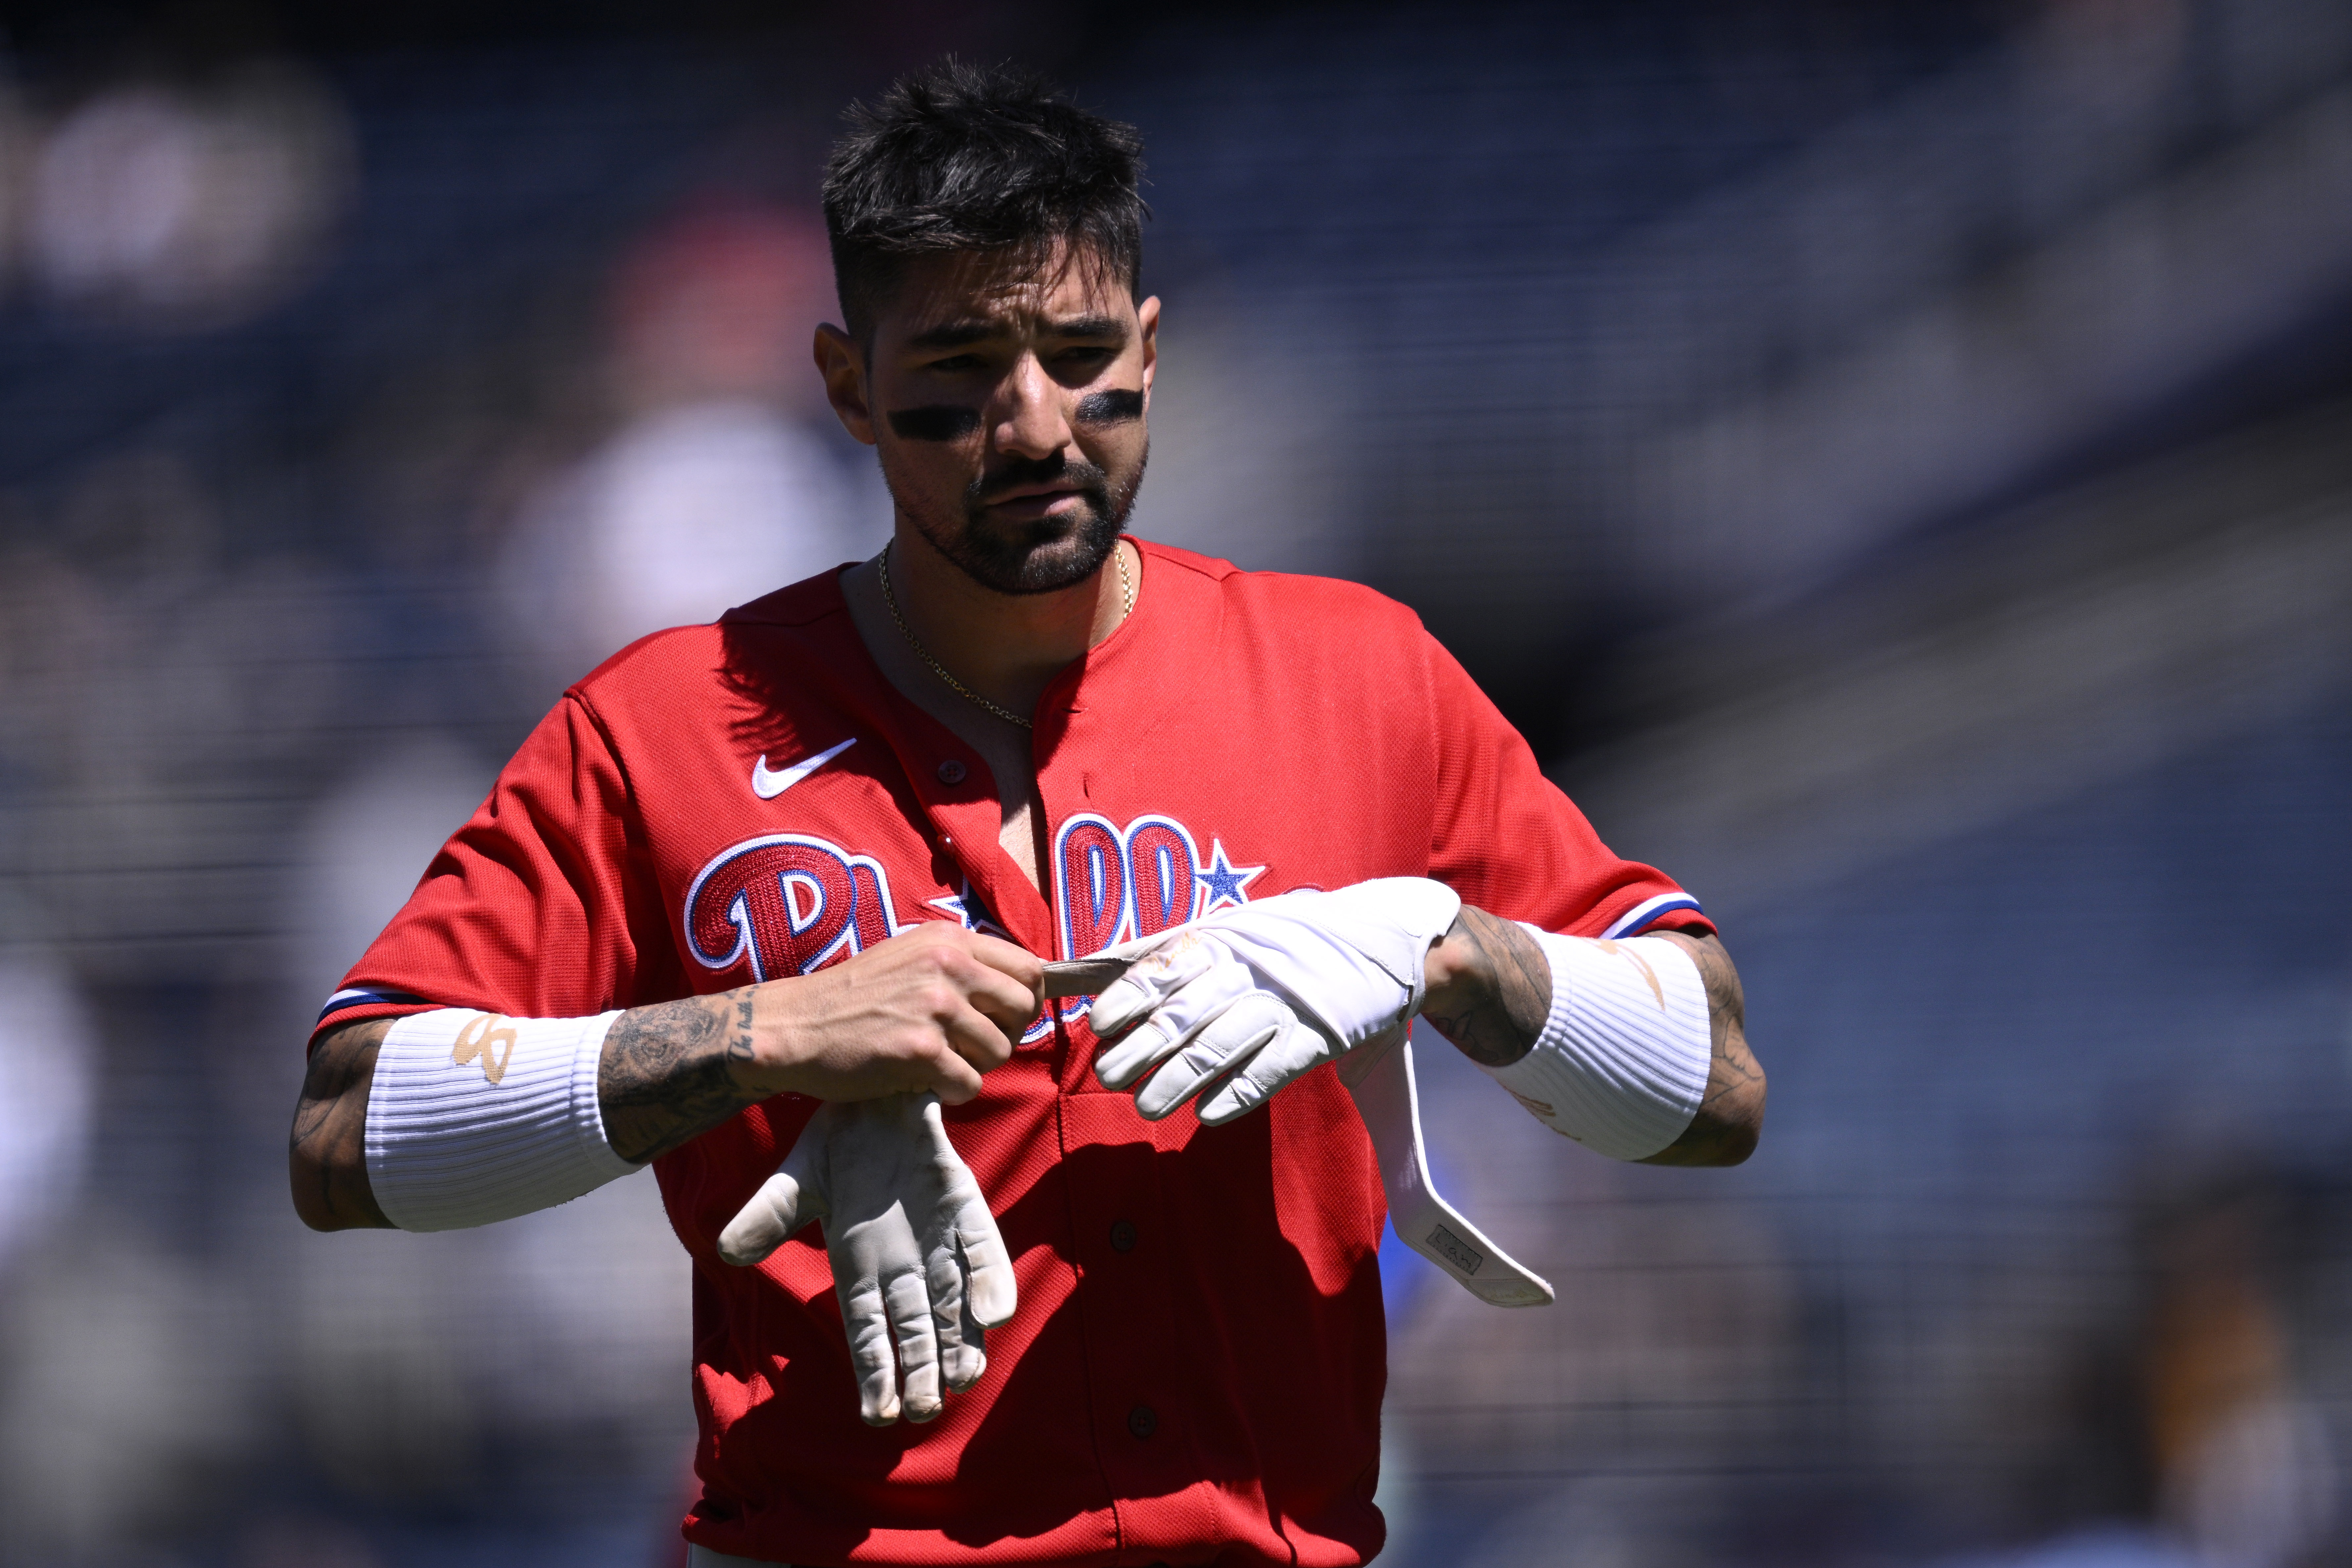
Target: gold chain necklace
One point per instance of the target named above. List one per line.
(1127, 608)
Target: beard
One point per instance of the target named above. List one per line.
(1036, 556)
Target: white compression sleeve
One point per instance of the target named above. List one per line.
(472, 1117)
(1622, 1064)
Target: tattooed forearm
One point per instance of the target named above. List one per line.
(327, 1154)
(1490, 988)
(667, 1072)
(665, 1075)
(1730, 1116)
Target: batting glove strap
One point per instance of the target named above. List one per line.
(1622, 1064)
(473, 1117)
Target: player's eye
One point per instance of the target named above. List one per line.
(955, 363)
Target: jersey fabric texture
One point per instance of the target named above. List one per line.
(1196, 1367)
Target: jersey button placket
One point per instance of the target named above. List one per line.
(1142, 1421)
(952, 771)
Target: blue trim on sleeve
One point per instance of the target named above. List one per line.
(344, 1001)
(1648, 910)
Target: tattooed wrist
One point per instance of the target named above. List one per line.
(1724, 1131)
(676, 1070)
(1489, 988)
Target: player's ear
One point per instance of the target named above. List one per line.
(1147, 318)
(842, 365)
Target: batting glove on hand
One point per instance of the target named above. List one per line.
(915, 1252)
(1251, 998)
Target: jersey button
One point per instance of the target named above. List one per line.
(1122, 1235)
(951, 772)
(1143, 1421)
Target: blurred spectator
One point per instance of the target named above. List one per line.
(188, 205)
(2245, 1472)
(727, 478)
(2208, 1453)
(562, 1336)
(47, 1072)
(127, 1388)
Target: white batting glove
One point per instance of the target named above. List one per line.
(1251, 998)
(915, 1252)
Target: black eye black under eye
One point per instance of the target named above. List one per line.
(1116, 407)
(940, 421)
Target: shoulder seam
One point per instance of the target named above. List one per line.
(612, 747)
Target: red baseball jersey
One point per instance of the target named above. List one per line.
(1195, 1371)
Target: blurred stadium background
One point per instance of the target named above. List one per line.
(1895, 462)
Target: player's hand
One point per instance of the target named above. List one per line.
(1240, 1002)
(927, 1012)
(915, 1252)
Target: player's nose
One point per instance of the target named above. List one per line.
(1029, 418)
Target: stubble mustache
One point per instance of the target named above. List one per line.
(1014, 473)
(1036, 556)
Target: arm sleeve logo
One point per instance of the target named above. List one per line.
(488, 1038)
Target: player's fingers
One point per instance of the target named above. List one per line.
(975, 1045)
(1228, 1038)
(1275, 1063)
(867, 1318)
(910, 1302)
(1004, 1002)
(1150, 980)
(1018, 963)
(1172, 1024)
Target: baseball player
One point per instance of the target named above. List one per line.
(770, 903)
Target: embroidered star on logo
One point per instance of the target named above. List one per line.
(1224, 883)
(966, 910)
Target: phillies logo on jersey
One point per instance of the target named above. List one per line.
(1113, 884)
(789, 903)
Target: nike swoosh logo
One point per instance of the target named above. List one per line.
(768, 785)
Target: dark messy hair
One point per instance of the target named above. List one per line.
(964, 157)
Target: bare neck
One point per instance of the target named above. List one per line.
(1007, 646)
